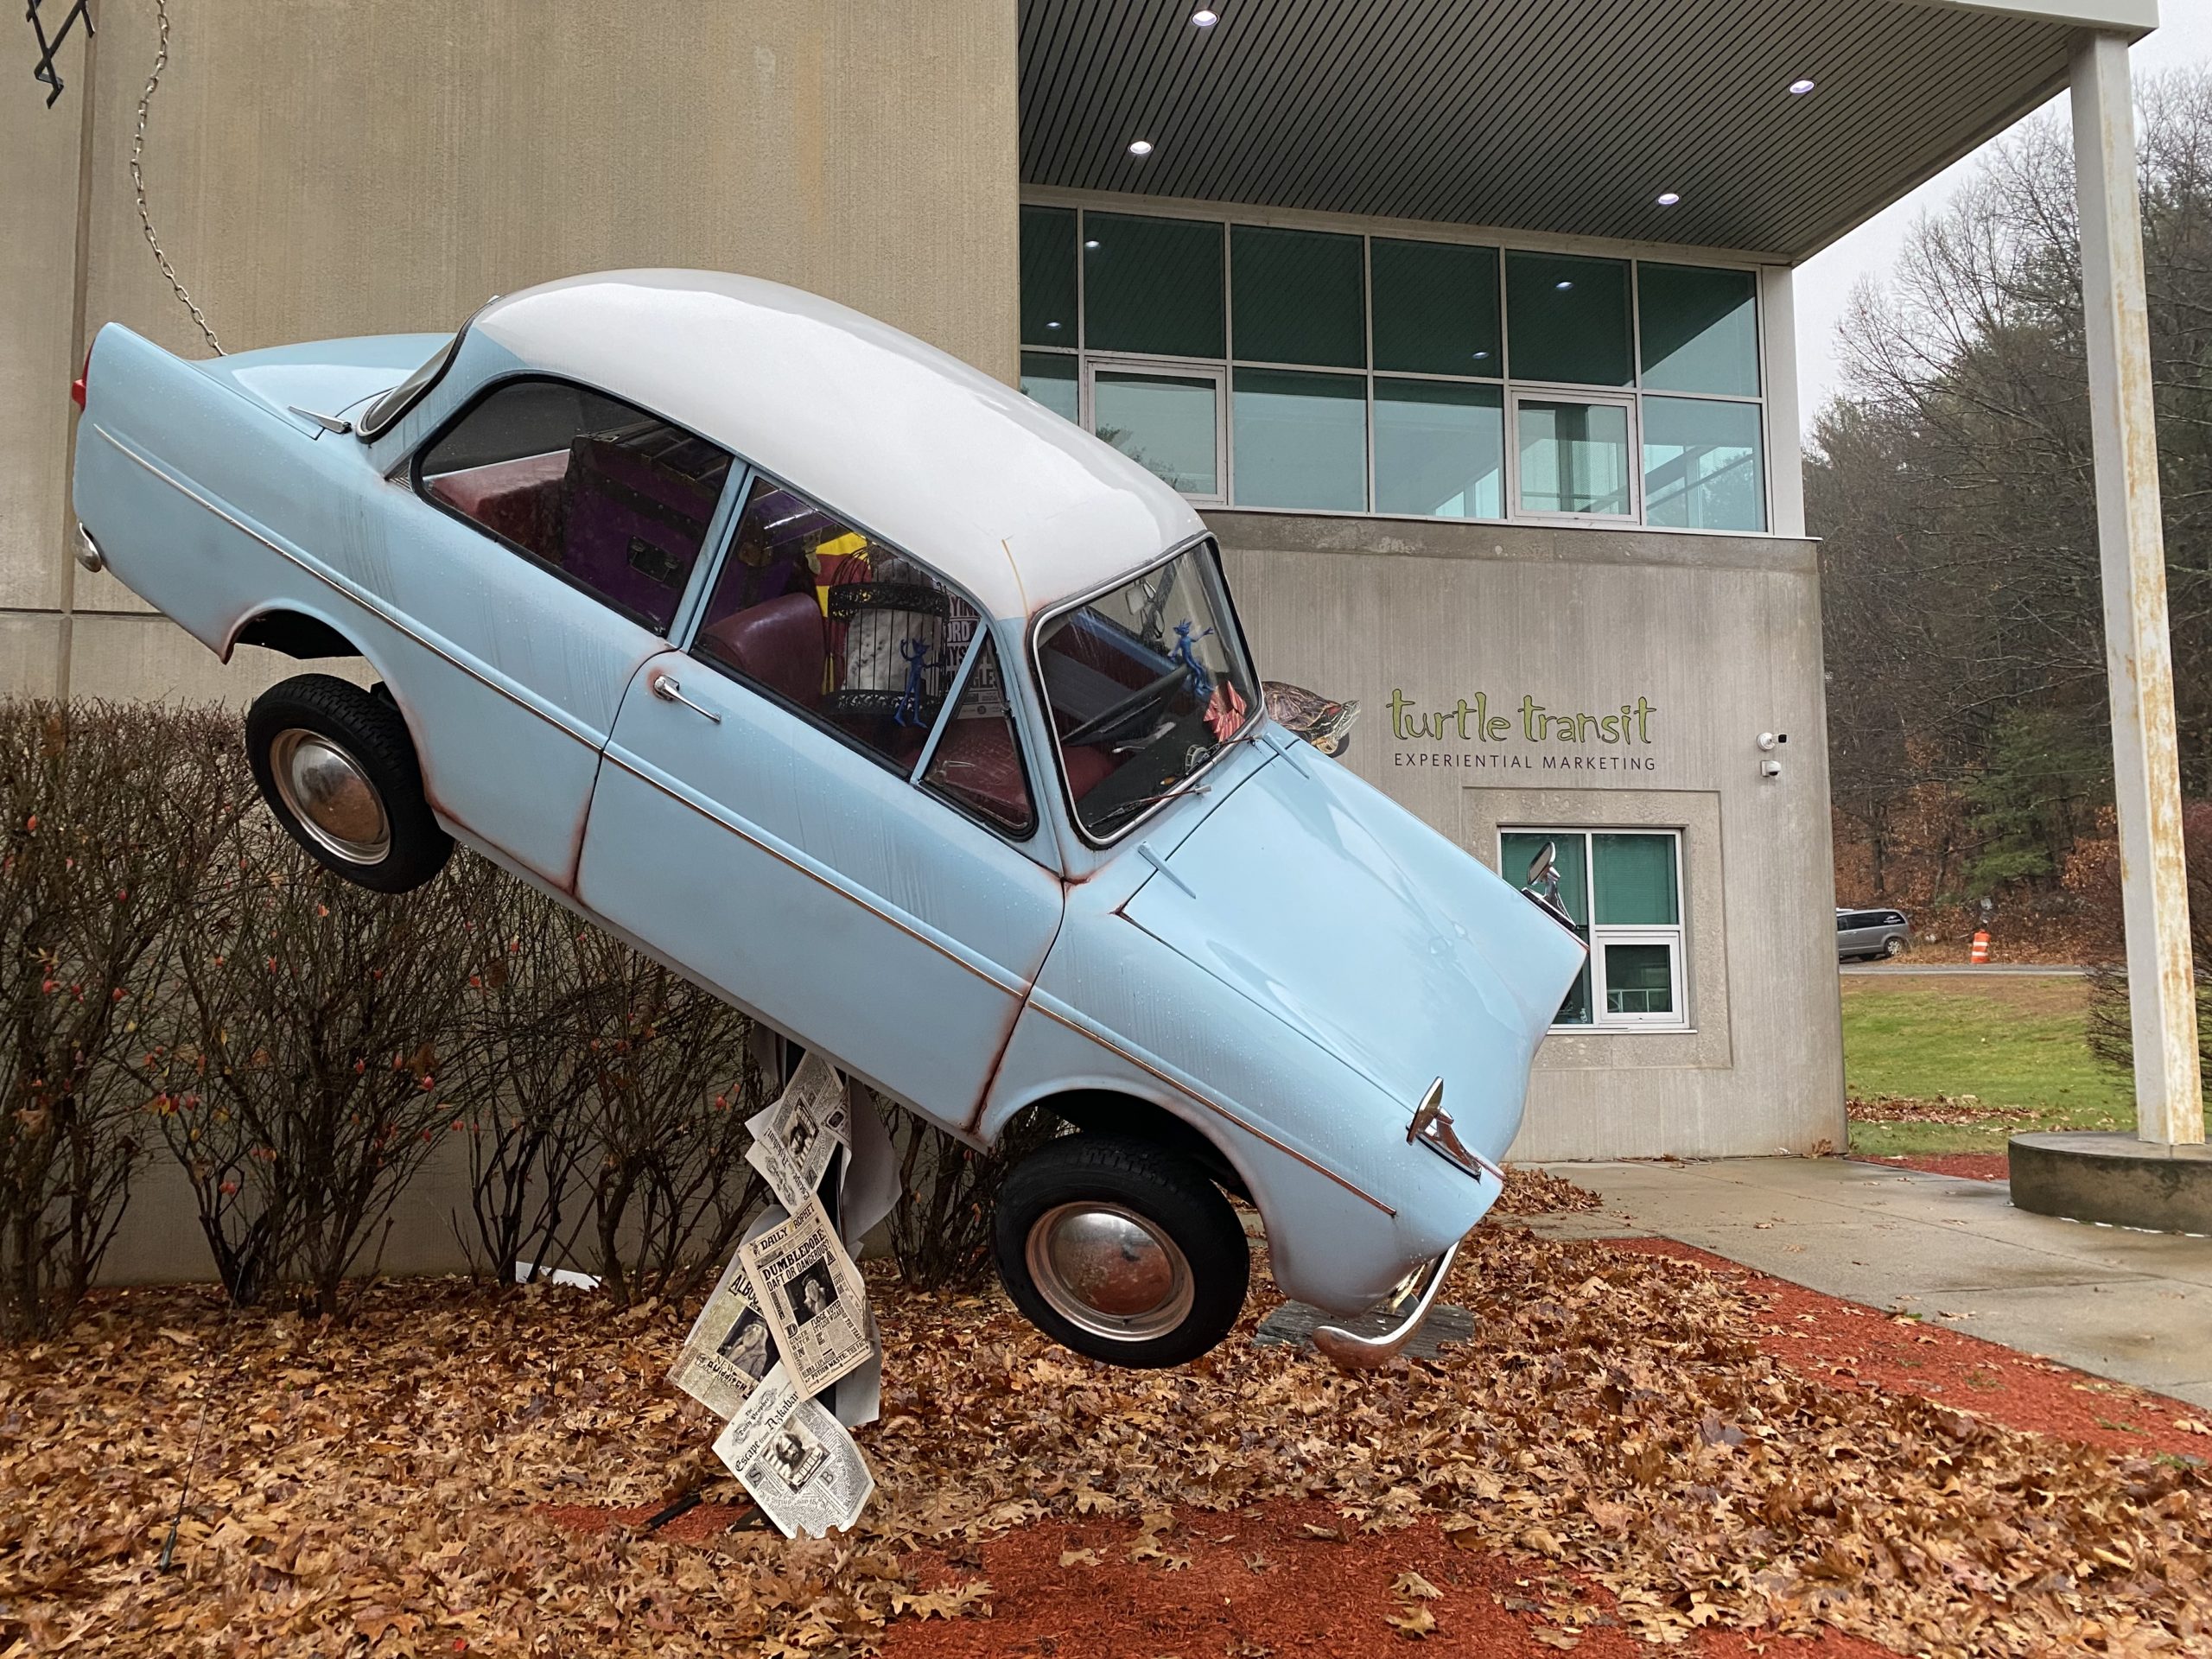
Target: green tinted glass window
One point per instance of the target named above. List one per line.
(1636, 881)
(1701, 465)
(1516, 850)
(1700, 329)
(1639, 979)
(1169, 424)
(1298, 296)
(1439, 449)
(1567, 319)
(1436, 308)
(1300, 440)
(1051, 379)
(1048, 276)
(1153, 285)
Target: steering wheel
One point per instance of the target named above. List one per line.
(1112, 715)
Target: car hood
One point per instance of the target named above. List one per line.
(1318, 896)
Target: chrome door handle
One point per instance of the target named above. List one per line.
(664, 687)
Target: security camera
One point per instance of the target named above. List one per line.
(1768, 740)
(1769, 768)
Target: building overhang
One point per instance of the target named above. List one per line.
(1570, 118)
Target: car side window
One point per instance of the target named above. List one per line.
(614, 499)
(865, 642)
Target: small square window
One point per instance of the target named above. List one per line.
(1700, 329)
(1301, 440)
(1153, 285)
(1567, 319)
(1297, 296)
(1573, 458)
(1436, 308)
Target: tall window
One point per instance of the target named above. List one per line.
(1623, 890)
(1264, 365)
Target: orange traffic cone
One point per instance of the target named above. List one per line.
(1980, 954)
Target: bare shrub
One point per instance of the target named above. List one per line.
(299, 1068)
(106, 813)
(672, 1081)
(941, 1234)
(524, 1083)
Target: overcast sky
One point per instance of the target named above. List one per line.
(1824, 283)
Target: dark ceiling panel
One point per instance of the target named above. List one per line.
(1560, 116)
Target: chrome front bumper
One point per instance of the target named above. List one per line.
(1416, 1294)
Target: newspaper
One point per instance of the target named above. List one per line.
(729, 1350)
(795, 1460)
(797, 1274)
(794, 1138)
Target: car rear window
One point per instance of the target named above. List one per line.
(403, 396)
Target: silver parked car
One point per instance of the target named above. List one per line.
(1868, 933)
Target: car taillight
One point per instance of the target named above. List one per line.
(77, 386)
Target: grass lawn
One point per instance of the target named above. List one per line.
(2008, 1042)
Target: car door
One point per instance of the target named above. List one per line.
(542, 546)
(821, 809)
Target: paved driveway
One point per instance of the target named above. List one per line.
(2134, 1306)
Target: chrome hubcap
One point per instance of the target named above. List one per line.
(1109, 1271)
(330, 795)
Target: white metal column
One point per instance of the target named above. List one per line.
(2147, 778)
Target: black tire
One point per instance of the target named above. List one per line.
(1893, 946)
(1166, 1195)
(361, 739)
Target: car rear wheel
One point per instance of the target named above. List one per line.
(337, 767)
(1893, 946)
(1120, 1249)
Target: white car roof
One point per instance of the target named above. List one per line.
(1016, 505)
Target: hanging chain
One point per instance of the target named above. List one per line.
(138, 178)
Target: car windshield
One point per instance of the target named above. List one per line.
(1146, 685)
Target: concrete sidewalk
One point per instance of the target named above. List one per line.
(2134, 1306)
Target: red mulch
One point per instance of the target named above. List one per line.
(1974, 1165)
(1258, 1583)
(1849, 1346)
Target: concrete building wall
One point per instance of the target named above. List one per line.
(342, 167)
(1721, 637)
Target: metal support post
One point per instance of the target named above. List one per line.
(2146, 779)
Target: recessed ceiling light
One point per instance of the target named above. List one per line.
(1205, 19)
(1562, 287)
(1799, 88)
(1051, 325)
(1479, 356)
(1090, 242)
(1143, 147)
(1669, 198)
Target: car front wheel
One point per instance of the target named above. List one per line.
(337, 767)
(1120, 1249)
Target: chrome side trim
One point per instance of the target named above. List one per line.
(780, 856)
(1347, 1352)
(381, 612)
(1210, 1103)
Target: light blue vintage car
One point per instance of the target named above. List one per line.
(891, 706)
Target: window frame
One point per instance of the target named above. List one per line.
(1519, 391)
(1603, 1021)
(1165, 368)
(716, 518)
(1498, 242)
(1034, 668)
(744, 474)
